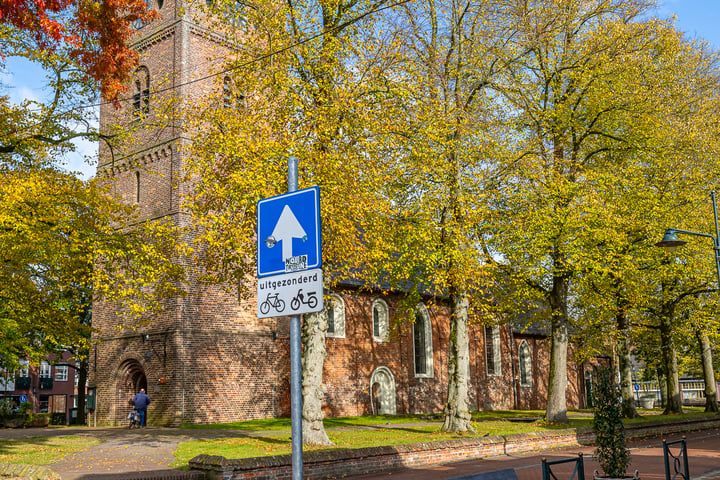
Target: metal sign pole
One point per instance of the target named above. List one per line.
(295, 362)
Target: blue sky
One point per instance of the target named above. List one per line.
(697, 18)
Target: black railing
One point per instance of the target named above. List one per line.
(679, 460)
(577, 474)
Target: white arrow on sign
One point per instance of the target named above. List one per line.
(286, 228)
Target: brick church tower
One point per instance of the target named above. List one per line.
(204, 358)
(207, 358)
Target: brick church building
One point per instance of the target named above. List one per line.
(207, 358)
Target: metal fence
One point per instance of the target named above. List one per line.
(679, 459)
(577, 474)
(692, 391)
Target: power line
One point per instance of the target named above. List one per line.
(243, 65)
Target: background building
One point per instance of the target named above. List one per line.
(50, 387)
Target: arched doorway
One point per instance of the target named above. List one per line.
(382, 392)
(131, 379)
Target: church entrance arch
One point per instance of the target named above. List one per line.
(382, 392)
(131, 379)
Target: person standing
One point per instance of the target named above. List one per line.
(141, 402)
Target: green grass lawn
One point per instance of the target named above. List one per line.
(284, 423)
(41, 450)
(359, 432)
(375, 435)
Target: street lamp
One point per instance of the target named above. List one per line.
(670, 239)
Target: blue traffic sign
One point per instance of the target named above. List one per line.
(288, 233)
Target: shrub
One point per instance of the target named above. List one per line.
(6, 406)
(58, 419)
(37, 419)
(611, 452)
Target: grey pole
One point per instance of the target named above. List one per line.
(295, 362)
(716, 240)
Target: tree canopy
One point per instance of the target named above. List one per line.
(94, 35)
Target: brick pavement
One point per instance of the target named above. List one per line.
(647, 457)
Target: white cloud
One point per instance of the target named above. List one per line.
(84, 159)
(21, 93)
(24, 80)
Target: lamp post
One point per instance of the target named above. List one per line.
(670, 239)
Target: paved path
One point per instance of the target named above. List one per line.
(647, 457)
(124, 452)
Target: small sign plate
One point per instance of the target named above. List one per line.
(290, 293)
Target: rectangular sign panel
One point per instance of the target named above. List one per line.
(290, 293)
(288, 236)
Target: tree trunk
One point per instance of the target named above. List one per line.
(623, 352)
(711, 404)
(82, 372)
(457, 414)
(556, 411)
(314, 328)
(674, 403)
(662, 385)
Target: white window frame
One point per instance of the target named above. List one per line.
(24, 368)
(381, 307)
(525, 364)
(338, 317)
(61, 373)
(45, 370)
(7, 380)
(492, 337)
(422, 314)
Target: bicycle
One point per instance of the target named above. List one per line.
(134, 418)
(274, 301)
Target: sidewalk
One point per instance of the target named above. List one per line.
(703, 451)
(129, 454)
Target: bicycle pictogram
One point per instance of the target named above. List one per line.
(274, 301)
(300, 299)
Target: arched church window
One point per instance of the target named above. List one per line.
(335, 310)
(141, 93)
(525, 364)
(381, 320)
(137, 187)
(493, 360)
(422, 343)
(227, 92)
